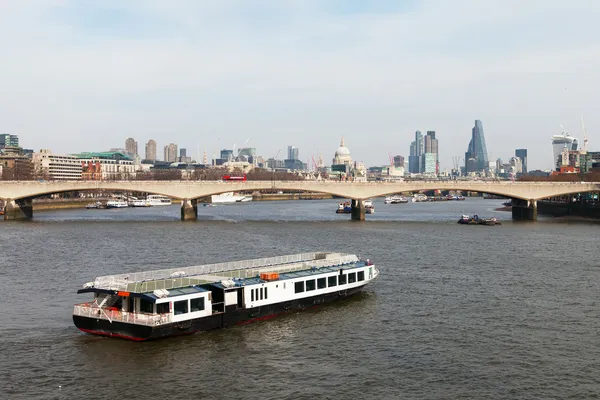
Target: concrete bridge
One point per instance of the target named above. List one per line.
(18, 194)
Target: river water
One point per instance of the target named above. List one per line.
(478, 312)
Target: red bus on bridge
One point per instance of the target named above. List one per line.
(234, 178)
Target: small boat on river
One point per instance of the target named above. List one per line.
(344, 208)
(95, 205)
(476, 220)
(369, 207)
(179, 301)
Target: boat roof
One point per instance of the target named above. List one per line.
(238, 272)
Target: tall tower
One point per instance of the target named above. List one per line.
(131, 147)
(416, 151)
(430, 163)
(151, 150)
(522, 155)
(171, 153)
(476, 158)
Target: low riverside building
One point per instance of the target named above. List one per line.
(109, 165)
(16, 168)
(56, 167)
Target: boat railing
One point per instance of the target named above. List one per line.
(121, 281)
(91, 310)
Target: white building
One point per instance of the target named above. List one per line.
(56, 167)
(107, 166)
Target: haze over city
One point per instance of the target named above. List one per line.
(82, 77)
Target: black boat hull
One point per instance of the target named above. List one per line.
(231, 317)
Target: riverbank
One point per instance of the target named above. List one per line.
(64, 204)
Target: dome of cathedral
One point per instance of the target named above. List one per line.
(342, 155)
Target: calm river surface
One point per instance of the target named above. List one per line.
(477, 312)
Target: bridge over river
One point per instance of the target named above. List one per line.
(18, 195)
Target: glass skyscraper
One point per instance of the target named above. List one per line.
(476, 158)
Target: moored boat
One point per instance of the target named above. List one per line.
(156, 304)
(419, 197)
(476, 220)
(369, 207)
(91, 206)
(116, 204)
(158, 200)
(395, 199)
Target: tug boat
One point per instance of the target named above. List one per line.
(170, 302)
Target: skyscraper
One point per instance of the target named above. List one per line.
(430, 158)
(416, 150)
(476, 158)
(292, 153)
(171, 153)
(151, 150)
(522, 154)
(182, 153)
(131, 147)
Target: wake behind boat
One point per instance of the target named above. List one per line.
(178, 301)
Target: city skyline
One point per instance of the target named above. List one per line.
(305, 73)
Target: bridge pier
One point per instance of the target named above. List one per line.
(18, 209)
(524, 210)
(358, 210)
(189, 209)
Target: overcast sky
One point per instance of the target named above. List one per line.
(85, 75)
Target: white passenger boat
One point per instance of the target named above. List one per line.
(229, 197)
(157, 304)
(116, 204)
(158, 200)
(395, 199)
(419, 197)
(140, 203)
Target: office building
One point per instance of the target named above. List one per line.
(171, 153)
(430, 164)
(522, 155)
(7, 140)
(131, 147)
(56, 167)
(416, 150)
(151, 150)
(476, 157)
(292, 153)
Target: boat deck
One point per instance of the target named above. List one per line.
(240, 272)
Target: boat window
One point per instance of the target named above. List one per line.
(361, 275)
(181, 307)
(197, 304)
(321, 283)
(261, 293)
(352, 277)
(342, 280)
(332, 281)
(265, 293)
(162, 308)
(310, 285)
(299, 287)
(146, 306)
(251, 294)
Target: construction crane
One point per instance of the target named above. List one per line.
(585, 140)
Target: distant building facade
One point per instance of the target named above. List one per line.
(171, 153)
(151, 150)
(416, 150)
(8, 140)
(108, 165)
(56, 167)
(131, 147)
(430, 160)
(522, 155)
